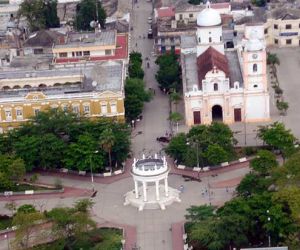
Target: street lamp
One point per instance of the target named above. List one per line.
(6, 237)
(91, 168)
(269, 236)
(196, 142)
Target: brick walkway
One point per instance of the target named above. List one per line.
(177, 235)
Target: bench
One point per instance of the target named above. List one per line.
(224, 164)
(82, 172)
(64, 170)
(181, 167)
(243, 159)
(196, 169)
(206, 169)
(118, 172)
(107, 174)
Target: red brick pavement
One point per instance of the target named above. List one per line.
(227, 183)
(177, 234)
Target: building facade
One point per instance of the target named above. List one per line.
(224, 85)
(95, 90)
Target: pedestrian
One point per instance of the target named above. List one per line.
(227, 189)
(154, 91)
(135, 44)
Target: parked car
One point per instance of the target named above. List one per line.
(150, 34)
(149, 19)
(163, 139)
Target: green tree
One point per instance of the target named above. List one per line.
(135, 65)
(107, 141)
(199, 213)
(277, 136)
(273, 59)
(168, 75)
(175, 98)
(26, 208)
(177, 148)
(40, 14)
(88, 11)
(215, 154)
(264, 162)
(79, 154)
(135, 96)
(25, 228)
(175, 118)
(282, 107)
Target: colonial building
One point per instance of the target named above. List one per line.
(92, 90)
(90, 46)
(223, 85)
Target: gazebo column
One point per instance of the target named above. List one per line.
(145, 190)
(166, 187)
(136, 189)
(157, 190)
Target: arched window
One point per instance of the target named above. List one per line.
(199, 39)
(209, 39)
(254, 67)
(216, 87)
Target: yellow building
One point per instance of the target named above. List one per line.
(283, 28)
(95, 90)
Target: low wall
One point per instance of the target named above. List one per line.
(31, 192)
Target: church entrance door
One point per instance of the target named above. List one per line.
(197, 117)
(217, 113)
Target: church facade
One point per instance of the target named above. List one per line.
(224, 85)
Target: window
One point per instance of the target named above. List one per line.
(73, 54)
(276, 41)
(103, 108)
(199, 39)
(254, 69)
(255, 86)
(191, 15)
(36, 111)
(220, 38)
(86, 109)
(86, 53)
(172, 40)
(65, 108)
(113, 108)
(78, 53)
(216, 87)
(108, 52)
(275, 26)
(19, 113)
(266, 31)
(38, 51)
(209, 39)
(75, 109)
(288, 41)
(8, 115)
(288, 26)
(63, 54)
(180, 17)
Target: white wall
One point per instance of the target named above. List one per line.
(257, 107)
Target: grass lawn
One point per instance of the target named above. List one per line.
(5, 222)
(98, 239)
(23, 187)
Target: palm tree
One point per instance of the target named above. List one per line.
(107, 141)
(175, 118)
(175, 98)
(273, 59)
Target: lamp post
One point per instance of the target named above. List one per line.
(91, 168)
(269, 234)
(6, 237)
(196, 142)
(123, 244)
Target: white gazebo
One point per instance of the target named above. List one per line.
(145, 173)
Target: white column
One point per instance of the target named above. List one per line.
(145, 190)
(136, 189)
(157, 190)
(166, 187)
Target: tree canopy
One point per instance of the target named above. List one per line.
(88, 11)
(168, 75)
(40, 14)
(57, 139)
(215, 145)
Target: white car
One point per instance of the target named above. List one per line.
(149, 19)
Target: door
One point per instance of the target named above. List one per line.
(197, 117)
(237, 115)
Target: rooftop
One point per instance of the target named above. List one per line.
(189, 67)
(99, 77)
(208, 60)
(285, 14)
(149, 167)
(42, 38)
(86, 39)
(235, 73)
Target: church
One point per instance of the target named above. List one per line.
(228, 85)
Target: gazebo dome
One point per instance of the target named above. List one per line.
(208, 17)
(254, 44)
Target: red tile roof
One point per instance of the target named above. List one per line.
(208, 60)
(166, 12)
(120, 53)
(220, 5)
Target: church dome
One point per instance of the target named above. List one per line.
(208, 17)
(254, 44)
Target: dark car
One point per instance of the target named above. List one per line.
(163, 139)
